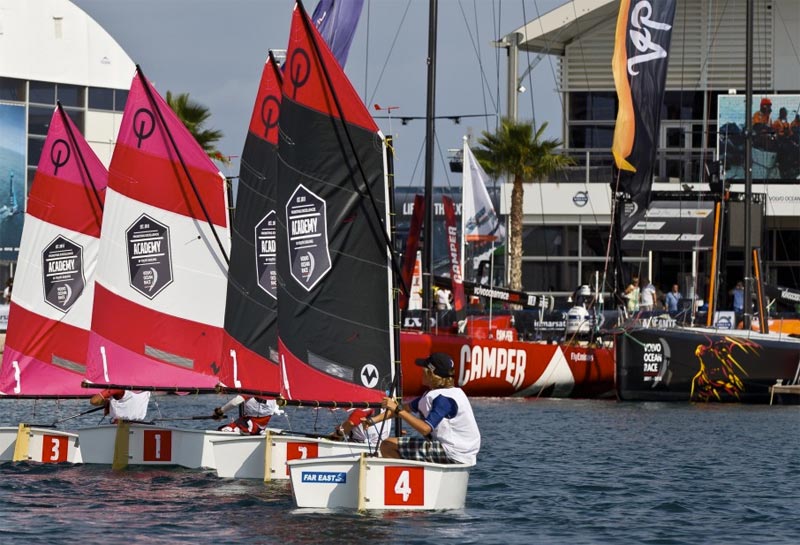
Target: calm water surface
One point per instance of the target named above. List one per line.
(549, 471)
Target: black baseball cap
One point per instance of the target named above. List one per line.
(440, 363)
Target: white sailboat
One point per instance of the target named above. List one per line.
(340, 340)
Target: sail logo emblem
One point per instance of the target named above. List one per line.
(270, 111)
(149, 256)
(62, 273)
(59, 154)
(369, 375)
(299, 70)
(307, 232)
(642, 39)
(143, 125)
(266, 243)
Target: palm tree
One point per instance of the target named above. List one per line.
(194, 115)
(517, 152)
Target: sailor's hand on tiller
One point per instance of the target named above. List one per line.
(389, 403)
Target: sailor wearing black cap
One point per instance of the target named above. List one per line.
(446, 422)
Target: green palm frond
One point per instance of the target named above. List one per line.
(194, 117)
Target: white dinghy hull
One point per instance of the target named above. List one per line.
(366, 483)
(249, 456)
(141, 444)
(44, 445)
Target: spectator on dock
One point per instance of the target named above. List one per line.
(738, 297)
(648, 295)
(673, 298)
(7, 291)
(632, 296)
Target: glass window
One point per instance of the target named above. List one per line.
(555, 241)
(70, 95)
(101, 99)
(594, 240)
(550, 276)
(120, 98)
(42, 92)
(683, 105)
(35, 146)
(39, 119)
(587, 136)
(76, 116)
(12, 89)
(787, 245)
(593, 106)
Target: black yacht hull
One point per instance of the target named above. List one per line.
(686, 364)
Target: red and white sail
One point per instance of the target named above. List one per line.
(161, 273)
(48, 330)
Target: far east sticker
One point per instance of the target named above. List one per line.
(307, 232)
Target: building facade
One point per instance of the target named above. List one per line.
(60, 54)
(567, 217)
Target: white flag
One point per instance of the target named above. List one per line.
(481, 223)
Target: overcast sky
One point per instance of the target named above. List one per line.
(215, 50)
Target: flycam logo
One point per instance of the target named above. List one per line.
(580, 199)
(642, 39)
(149, 256)
(62, 271)
(266, 246)
(307, 230)
(369, 375)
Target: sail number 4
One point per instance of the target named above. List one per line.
(404, 486)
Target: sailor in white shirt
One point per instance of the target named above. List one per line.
(446, 422)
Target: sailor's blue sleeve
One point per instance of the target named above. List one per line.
(415, 405)
(441, 408)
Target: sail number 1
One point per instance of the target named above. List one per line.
(404, 486)
(157, 446)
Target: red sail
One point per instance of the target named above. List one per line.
(48, 330)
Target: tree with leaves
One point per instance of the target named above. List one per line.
(522, 155)
(194, 116)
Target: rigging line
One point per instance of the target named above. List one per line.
(78, 152)
(480, 59)
(788, 32)
(366, 50)
(381, 220)
(151, 98)
(484, 81)
(389, 54)
(529, 70)
(496, 18)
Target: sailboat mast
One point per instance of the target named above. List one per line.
(748, 165)
(430, 136)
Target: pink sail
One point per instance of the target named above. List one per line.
(48, 329)
(161, 273)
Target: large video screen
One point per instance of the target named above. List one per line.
(776, 138)
(12, 179)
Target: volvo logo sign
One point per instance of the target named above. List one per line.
(581, 198)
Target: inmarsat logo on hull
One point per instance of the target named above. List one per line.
(149, 256)
(307, 231)
(62, 272)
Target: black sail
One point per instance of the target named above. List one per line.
(334, 276)
(250, 349)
